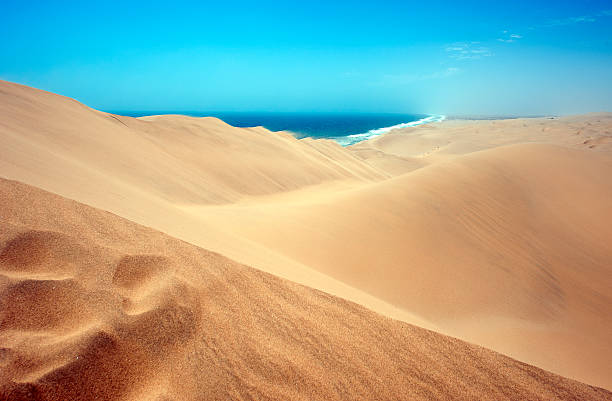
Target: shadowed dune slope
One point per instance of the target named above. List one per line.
(509, 247)
(97, 307)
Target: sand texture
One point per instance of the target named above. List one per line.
(97, 307)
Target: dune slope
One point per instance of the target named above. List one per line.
(146, 169)
(509, 247)
(97, 307)
(62, 143)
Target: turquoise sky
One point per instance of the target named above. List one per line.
(469, 57)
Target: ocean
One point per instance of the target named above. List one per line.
(346, 128)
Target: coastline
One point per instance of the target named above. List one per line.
(356, 138)
(344, 128)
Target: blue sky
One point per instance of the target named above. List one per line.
(469, 57)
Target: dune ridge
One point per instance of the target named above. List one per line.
(175, 158)
(135, 314)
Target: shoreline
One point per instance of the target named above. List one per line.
(356, 138)
(285, 122)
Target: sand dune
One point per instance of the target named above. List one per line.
(176, 158)
(97, 307)
(509, 247)
(494, 231)
(147, 169)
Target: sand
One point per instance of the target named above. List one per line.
(496, 232)
(495, 247)
(97, 307)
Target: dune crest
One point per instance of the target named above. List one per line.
(176, 158)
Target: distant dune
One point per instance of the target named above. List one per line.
(176, 158)
(496, 232)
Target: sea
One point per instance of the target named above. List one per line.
(344, 128)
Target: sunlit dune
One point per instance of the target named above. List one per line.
(208, 326)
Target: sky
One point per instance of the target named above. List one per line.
(433, 57)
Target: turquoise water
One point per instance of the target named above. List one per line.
(345, 128)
